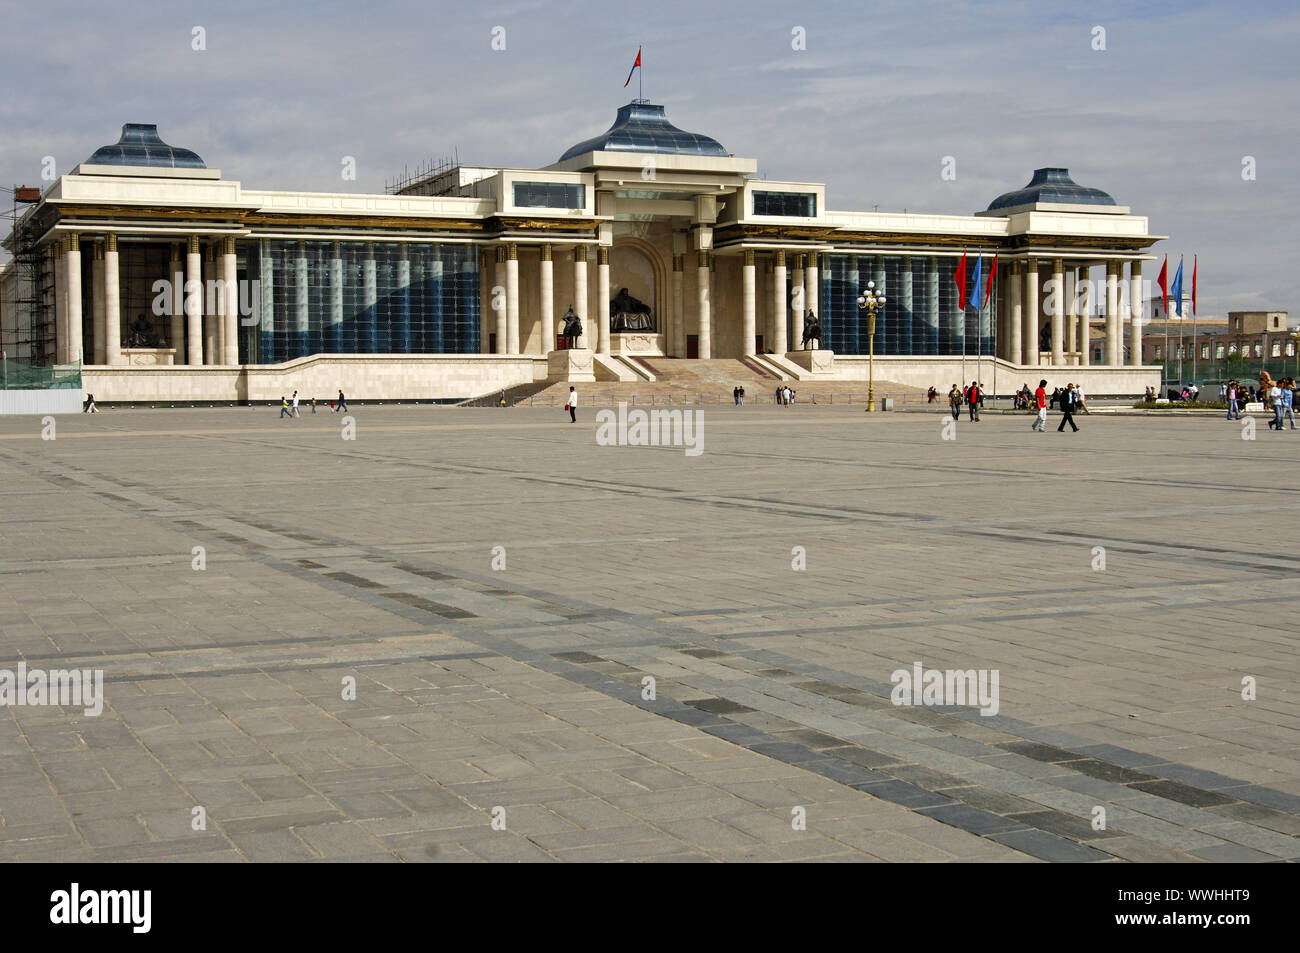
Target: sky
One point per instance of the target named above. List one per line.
(1188, 115)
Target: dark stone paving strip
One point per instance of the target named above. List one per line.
(1104, 762)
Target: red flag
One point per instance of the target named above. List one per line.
(960, 279)
(634, 66)
(1163, 282)
(1193, 284)
(993, 276)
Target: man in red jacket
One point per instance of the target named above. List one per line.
(1040, 401)
(973, 401)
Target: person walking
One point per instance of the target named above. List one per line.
(1233, 394)
(778, 395)
(313, 405)
(954, 401)
(90, 408)
(1080, 401)
(735, 396)
(1040, 401)
(572, 405)
(1288, 401)
(1275, 402)
(294, 405)
(742, 397)
(284, 408)
(343, 404)
(973, 401)
(1067, 409)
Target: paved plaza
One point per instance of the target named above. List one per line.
(498, 586)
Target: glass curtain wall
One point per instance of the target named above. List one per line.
(351, 297)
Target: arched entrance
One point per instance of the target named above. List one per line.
(636, 265)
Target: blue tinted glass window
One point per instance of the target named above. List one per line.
(550, 195)
(802, 204)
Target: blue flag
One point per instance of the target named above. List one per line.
(1176, 289)
(975, 283)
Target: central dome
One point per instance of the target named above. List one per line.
(141, 145)
(643, 127)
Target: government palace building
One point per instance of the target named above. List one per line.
(633, 250)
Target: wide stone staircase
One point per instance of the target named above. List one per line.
(681, 381)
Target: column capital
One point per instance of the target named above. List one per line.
(74, 241)
(193, 244)
(1058, 264)
(580, 254)
(501, 254)
(1031, 262)
(110, 242)
(98, 253)
(798, 262)
(679, 262)
(1135, 267)
(778, 258)
(546, 253)
(749, 257)
(704, 257)
(512, 252)
(602, 255)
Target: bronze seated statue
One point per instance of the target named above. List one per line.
(628, 314)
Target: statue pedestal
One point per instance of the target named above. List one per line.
(817, 364)
(575, 365)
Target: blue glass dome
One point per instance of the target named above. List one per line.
(140, 145)
(1052, 185)
(643, 127)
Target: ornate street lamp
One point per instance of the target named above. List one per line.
(870, 301)
(1295, 336)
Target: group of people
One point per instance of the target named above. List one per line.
(738, 395)
(1068, 400)
(972, 396)
(289, 408)
(784, 395)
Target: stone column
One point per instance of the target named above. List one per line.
(403, 300)
(97, 304)
(512, 298)
(903, 307)
(798, 300)
(1136, 317)
(112, 302)
(1113, 351)
(602, 295)
(748, 319)
(334, 336)
(60, 300)
(500, 308)
(780, 332)
(370, 302)
(932, 305)
(194, 301)
(1030, 333)
(811, 276)
(1072, 316)
(1058, 313)
(580, 293)
(677, 332)
(230, 277)
(72, 272)
(301, 301)
(266, 279)
(705, 296)
(1084, 276)
(175, 302)
(546, 298)
(1017, 317)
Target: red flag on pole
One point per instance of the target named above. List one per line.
(1163, 282)
(1193, 285)
(993, 276)
(634, 66)
(960, 279)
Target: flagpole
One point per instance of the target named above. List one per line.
(640, 77)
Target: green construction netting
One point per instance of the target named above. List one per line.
(18, 376)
